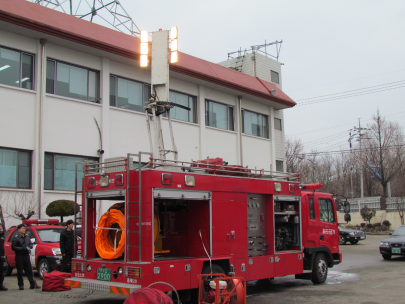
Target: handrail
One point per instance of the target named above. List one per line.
(197, 168)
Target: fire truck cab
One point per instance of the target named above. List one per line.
(182, 219)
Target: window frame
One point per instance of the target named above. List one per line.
(278, 76)
(311, 206)
(267, 124)
(329, 203)
(145, 87)
(193, 115)
(281, 124)
(53, 168)
(55, 71)
(282, 164)
(20, 70)
(18, 171)
(228, 107)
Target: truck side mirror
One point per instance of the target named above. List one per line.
(346, 207)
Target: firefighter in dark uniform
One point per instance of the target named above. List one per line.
(2, 259)
(22, 246)
(67, 246)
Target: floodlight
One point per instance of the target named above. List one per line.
(144, 36)
(173, 32)
(174, 57)
(174, 45)
(144, 60)
(144, 48)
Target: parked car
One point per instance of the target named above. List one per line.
(350, 235)
(45, 255)
(394, 245)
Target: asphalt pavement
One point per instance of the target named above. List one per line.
(363, 277)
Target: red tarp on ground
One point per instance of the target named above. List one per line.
(147, 296)
(55, 281)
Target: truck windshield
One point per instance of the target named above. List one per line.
(51, 235)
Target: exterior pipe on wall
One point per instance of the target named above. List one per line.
(240, 129)
(41, 101)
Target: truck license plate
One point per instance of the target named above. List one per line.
(396, 250)
(103, 274)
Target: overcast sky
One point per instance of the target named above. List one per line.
(330, 47)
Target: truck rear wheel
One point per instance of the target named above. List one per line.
(320, 269)
(206, 270)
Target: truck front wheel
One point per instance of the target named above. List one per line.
(8, 270)
(320, 269)
(43, 267)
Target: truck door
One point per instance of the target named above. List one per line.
(313, 221)
(328, 233)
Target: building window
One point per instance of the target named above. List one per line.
(184, 100)
(72, 81)
(255, 124)
(279, 166)
(277, 124)
(326, 211)
(219, 115)
(16, 69)
(60, 171)
(275, 77)
(15, 168)
(128, 94)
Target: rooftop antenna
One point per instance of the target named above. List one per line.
(109, 13)
(259, 48)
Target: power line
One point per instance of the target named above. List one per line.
(344, 92)
(322, 85)
(350, 151)
(351, 95)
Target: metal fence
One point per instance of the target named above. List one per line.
(375, 203)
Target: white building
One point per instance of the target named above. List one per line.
(60, 74)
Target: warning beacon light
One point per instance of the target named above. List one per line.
(312, 187)
(144, 48)
(174, 45)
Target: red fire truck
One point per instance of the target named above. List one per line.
(184, 219)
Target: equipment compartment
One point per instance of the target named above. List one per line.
(287, 221)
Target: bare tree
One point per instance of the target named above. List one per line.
(400, 206)
(19, 205)
(384, 150)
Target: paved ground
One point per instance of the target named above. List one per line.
(364, 277)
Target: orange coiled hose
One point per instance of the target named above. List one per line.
(106, 239)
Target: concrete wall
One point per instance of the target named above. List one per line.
(381, 215)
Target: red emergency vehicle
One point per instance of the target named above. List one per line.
(45, 255)
(183, 219)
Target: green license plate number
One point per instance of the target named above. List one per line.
(396, 250)
(103, 274)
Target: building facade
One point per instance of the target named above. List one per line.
(69, 88)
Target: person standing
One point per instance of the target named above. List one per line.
(2, 258)
(67, 246)
(22, 246)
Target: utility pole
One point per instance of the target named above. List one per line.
(358, 132)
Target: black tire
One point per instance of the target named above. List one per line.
(206, 270)
(8, 270)
(43, 267)
(342, 240)
(319, 269)
(354, 242)
(386, 256)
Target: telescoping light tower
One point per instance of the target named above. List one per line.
(164, 50)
